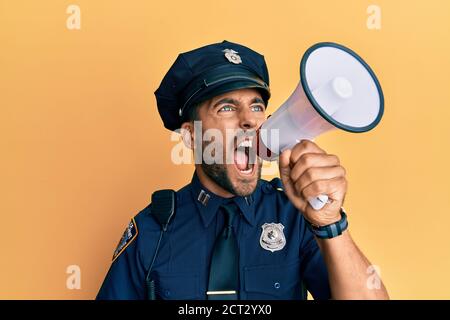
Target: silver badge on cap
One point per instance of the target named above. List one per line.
(232, 56)
(272, 237)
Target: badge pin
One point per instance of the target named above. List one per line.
(272, 237)
(232, 56)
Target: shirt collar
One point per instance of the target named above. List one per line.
(208, 203)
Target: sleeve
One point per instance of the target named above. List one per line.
(125, 279)
(313, 268)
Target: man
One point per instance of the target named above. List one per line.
(235, 236)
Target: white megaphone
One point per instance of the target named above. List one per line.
(337, 89)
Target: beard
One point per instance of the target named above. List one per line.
(219, 174)
(221, 170)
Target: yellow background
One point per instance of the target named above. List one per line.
(82, 147)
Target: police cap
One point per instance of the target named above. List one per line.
(206, 72)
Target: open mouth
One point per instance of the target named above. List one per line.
(245, 157)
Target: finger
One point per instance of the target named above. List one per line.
(285, 169)
(318, 173)
(334, 188)
(283, 162)
(304, 146)
(310, 160)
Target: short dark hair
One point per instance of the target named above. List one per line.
(192, 113)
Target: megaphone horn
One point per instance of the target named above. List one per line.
(337, 90)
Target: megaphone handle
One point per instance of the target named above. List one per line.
(321, 200)
(318, 202)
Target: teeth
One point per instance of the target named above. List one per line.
(246, 171)
(245, 143)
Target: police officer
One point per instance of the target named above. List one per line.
(229, 234)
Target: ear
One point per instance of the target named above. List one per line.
(187, 134)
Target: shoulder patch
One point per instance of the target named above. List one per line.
(128, 236)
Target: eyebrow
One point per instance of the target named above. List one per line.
(236, 102)
(258, 100)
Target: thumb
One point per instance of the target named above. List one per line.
(285, 171)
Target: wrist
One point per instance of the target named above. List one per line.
(324, 220)
(331, 230)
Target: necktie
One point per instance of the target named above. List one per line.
(224, 270)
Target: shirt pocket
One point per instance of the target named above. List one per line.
(178, 286)
(271, 282)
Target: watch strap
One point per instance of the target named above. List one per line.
(332, 230)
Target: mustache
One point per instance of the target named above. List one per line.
(218, 148)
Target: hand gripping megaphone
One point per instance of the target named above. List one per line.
(337, 90)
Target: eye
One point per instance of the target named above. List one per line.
(226, 108)
(257, 108)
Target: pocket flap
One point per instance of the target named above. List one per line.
(273, 280)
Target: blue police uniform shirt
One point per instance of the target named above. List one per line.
(181, 269)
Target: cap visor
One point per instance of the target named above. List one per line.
(232, 85)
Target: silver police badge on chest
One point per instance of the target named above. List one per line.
(272, 237)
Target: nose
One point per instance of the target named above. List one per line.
(247, 119)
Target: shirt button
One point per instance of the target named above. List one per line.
(276, 285)
(167, 293)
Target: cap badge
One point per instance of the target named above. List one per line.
(272, 237)
(232, 56)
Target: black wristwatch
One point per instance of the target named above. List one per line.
(332, 230)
